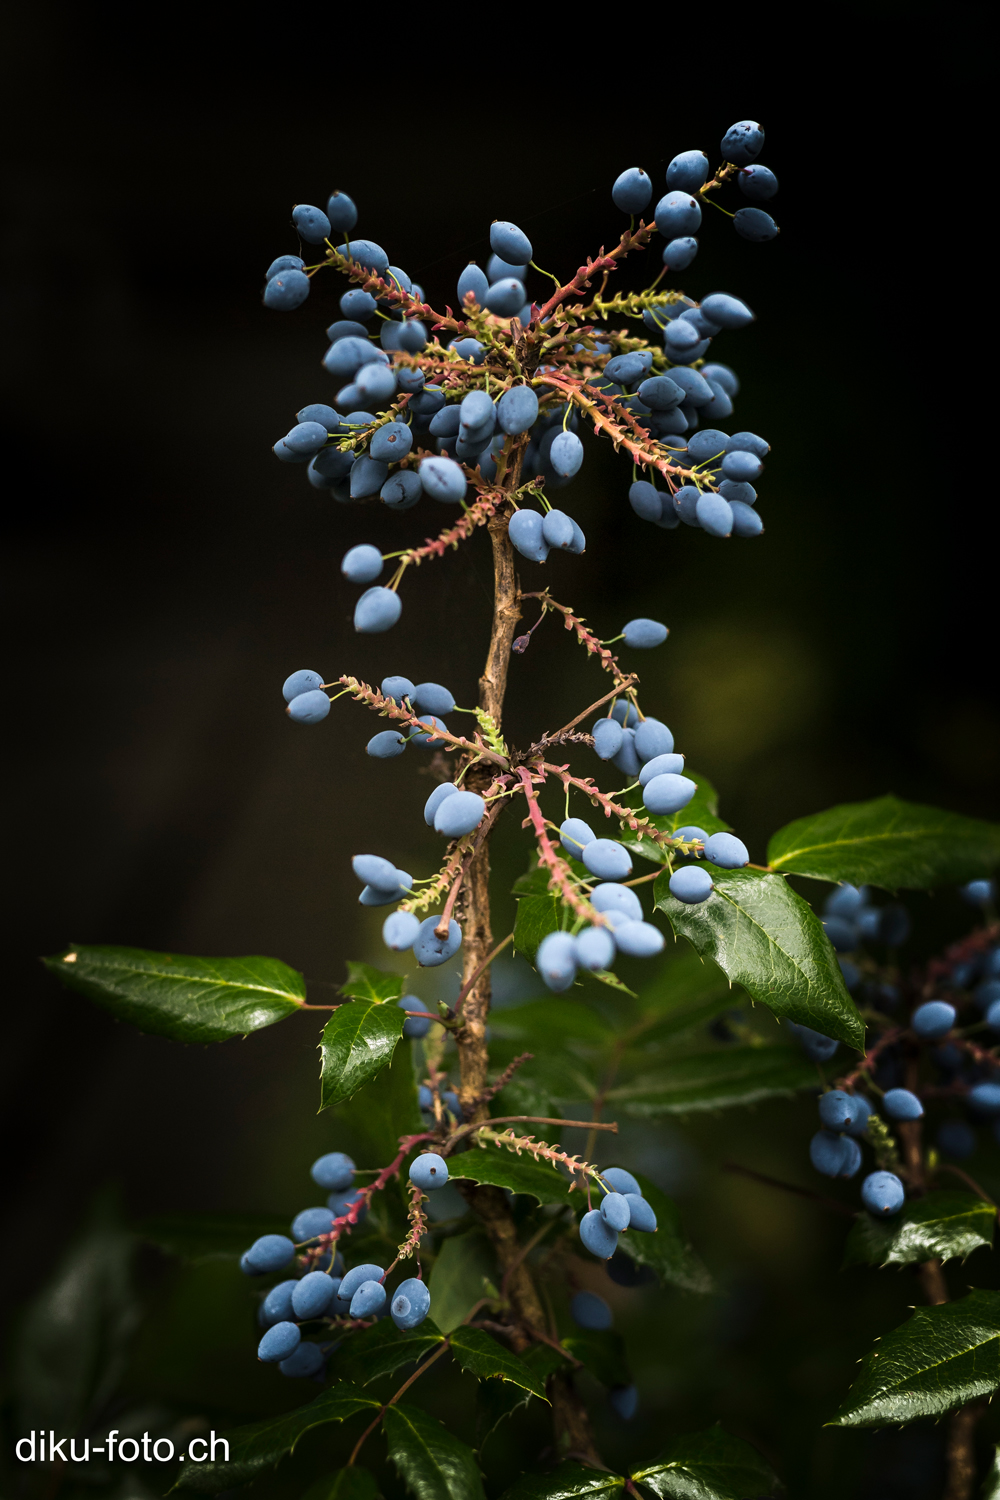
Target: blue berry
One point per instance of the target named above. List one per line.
(632, 191)
(608, 738)
(746, 521)
(313, 1295)
(432, 950)
(302, 681)
(652, 739)
(451, 1102)
(620, 1181)
(460, 814)
(517, 409)
(432, 698)
(695, 391)
(641, 1216)
(813, 1043)
(340, 1204)
(470, 349)
(624, 1401)
(284, 263)
(595, 949)
(312, 223)
(757, 183)
(334, 1171)
(680, 337)
(662, 393)
(590, 1311)
(742, 143)
(357, 305)
(882, 1194)
(688, 171)
(446, 422)
(614, 897)
(376, 384)
(846, 901)
(372, 869)
(308, 708)
(414, 1027)
(727, 312)
(345, 328)
(310, 1223)
(505, 298)
(755, 225)
(443, 480)
(556, 961)
(511, 243)
(386, 744)
(956, 1138)
(727, 851)
(340, 210)
(378, 609)
(993, 1016)
(473, 280)
(900, 1104)
(402, 490)
(366, 253)
(425, 737)
(615, 1211)
(270, 1253)
(723, 376)
(499, 270)
(933, 1020)
(984, 1098)
(668, 794)
(399, 931)
(411, 1302)
(627, 760)
(307, 1360)
(278, 1343)
(660, 765)
(368, 1299)
(638, 939)
(834, 1155)
(597, 1235)
(566, 454)
(679, 253)
(689, 832)
(863, 1112)
(429, 1171)
(361, 564)
(741, 466)
(574, 833)
(286, 291)
(836, 1109)
(678, 214)
(642, 634)
(446, 789)
(625, 713)
(691, 884)
(277, 1305)
(607, 859)
(978, 892)
(355, 1278)
(557, 528)
(391, 443)
(525, 531)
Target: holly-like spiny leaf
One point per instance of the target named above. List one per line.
(366, 983)
(701, 812)
(498, 1399)
(536, 917)
(942, 1226)
(766, 938)
(260, 1445)
(464, 1273)
(887, 842)
(481, 1354)
(358, 1040)
(719, 1076)
(433, 1463)
(365, 1355)
(939, 1359)
(710, 1465)
(668, 1252)
(174, 995)
(519, 1174)
(567, 1481)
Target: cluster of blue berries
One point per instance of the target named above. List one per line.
(326, 1292)
(622, 1207)
(383, 885)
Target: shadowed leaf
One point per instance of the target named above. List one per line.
(710, 1465)
(433, 1464)
(942, 1226)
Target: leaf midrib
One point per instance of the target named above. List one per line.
(899, 835)
(938, 1364)
(771, 942)
(185, 978)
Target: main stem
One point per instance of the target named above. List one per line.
(572, 1426)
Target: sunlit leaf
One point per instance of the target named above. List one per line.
(941, 1226)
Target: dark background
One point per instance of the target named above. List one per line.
(164, 572)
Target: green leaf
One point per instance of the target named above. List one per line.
(366, 983)
(552, 1023)
(204, 1236)
(383, 1110)
(534, 881)
(537, 916)
(480, 1354)
(381, 1349)
(565, 1482)
(433, 1463)
(686, 992)
(499, 1399)
(716, 1077)
(766, 938)
(667, 1252)
(710, 1465)
(347, 1484)
(71, 1348)
(261, 1445)
(938, 1360)
(358, 1040)
(519, 1174)
(188, 999)
(602, 1352)
(463, 1274)
(942, 1226)
(991, 1486)
(889, 843)
(701, 812)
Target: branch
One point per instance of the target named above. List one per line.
(501, 1083)
(388, 708)
(640, 826)
(348, 1221)
(630, 240)
(607, 659)
(481, 970)
(560, 874)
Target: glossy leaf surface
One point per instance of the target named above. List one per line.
(366, 983)
(711, 1465)
(381, 1349)
(715, 1077)
(432, 1462)
(358, 1040)
(174, 995)
(766, 938)
(483, 1356)
(520, 1174)
(889, 843)
(942, 1226)
(568, 1481)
